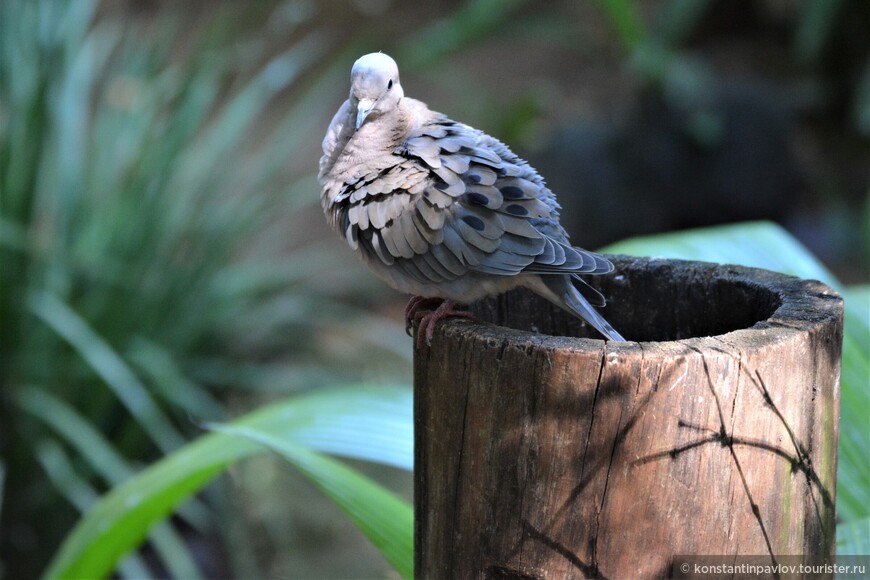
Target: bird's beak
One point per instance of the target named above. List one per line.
(362, 110)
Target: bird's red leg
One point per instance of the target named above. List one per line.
(426, 329)
(414, 305)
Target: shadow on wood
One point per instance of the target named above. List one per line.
(541, 453)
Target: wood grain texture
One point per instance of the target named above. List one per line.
(545, 456)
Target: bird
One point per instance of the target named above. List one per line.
(443, 211)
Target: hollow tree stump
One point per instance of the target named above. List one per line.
(546, 456)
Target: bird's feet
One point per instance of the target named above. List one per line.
(426, 328)
(414, 305)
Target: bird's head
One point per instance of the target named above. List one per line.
(374, 86)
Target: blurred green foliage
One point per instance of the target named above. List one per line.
(363, 422)
(659, 56)
(150, 258)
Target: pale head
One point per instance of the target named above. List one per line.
(374, 86)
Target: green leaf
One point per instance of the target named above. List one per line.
(91, 445)
(79, 493)
(108, 365)
(171, 384)
(371, 423)
(853, 538)
(853, 474)
(385, 519)
(140, 187)
(624, 17)
(166, 541)
(469, 23)
(756, 244)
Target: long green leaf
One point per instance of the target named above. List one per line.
(79, 493)
(385, 519)
(166, 541)
(853, 538)
(91, 445)
(757, 244)
(103, 458)
(108, 365)
(349, 421)
(853, 473)
(170, 382)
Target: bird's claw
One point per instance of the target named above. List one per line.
(426, 328)
(414, 306)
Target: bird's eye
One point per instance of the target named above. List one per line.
(390, 84)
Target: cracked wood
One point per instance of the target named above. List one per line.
(547, 456)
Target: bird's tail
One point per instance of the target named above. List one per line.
(573, 301)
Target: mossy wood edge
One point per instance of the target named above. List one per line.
(544, 456)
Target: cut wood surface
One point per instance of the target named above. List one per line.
(542, 455)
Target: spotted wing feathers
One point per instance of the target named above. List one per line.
(452, 200)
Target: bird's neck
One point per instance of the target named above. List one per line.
(367, 149)
(375, 138)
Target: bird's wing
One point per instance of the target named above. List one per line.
(451, 200)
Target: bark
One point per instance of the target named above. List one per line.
(543, 454)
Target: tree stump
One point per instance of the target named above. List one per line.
(543, 453)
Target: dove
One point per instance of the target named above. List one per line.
(443, 211)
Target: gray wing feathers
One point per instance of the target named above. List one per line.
(451, 201)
